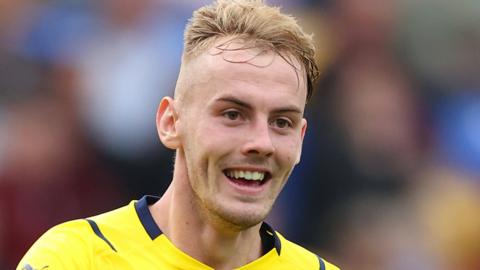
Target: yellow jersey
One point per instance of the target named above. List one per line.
(129, 238)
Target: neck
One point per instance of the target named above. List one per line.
(208, 240)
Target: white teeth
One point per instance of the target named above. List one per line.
(246, 175)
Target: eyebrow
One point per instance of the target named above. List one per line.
(234, 100)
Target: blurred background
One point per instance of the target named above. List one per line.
(390, 173)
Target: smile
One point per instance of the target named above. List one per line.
(247, 175)
(252, 176)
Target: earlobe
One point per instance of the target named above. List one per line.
(304, 129)
(166, 123)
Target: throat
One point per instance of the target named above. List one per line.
(228, 252)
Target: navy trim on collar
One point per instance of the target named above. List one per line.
(146, 218)
(265, 228)
(151, 227)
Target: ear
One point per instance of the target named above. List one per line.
(304, 129)
(167, 123)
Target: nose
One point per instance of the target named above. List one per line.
(259, 141)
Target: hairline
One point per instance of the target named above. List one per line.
(285, 54)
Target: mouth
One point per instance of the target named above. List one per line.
(247, 177)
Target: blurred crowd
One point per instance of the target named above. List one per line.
(390, 172)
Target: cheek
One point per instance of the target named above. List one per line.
(288, 149)
(215, 135)
(205, 141)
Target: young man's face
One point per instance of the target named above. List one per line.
(241, 129)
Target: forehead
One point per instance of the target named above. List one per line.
(247, 62)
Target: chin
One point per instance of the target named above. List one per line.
(241, 216)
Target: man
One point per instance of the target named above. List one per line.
(236, 123)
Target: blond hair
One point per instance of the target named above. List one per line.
(251, 20)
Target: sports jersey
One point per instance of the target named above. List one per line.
(129, 238)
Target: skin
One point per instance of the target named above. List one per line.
(228, 116)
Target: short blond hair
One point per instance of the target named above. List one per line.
(251, 20)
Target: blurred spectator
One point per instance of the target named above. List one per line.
(447, 206)
(382, 232)
(49, 174)
(439, 39)
(362, 26)
(369, 140)
(124, 68)
(378, 114)
(435, 225)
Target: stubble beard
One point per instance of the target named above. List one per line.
(238, 219)
(215, 210)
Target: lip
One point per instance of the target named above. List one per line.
(250, 190)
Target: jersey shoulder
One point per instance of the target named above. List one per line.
(298, 255)
(121, 229)
(75, 244)
(63, 246)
